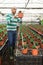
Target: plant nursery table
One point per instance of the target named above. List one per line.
(28, 59)
(3, 47)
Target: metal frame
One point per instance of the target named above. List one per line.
(19, 8)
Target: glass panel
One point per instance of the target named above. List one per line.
(35, 5)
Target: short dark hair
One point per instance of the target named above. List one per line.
(20, 11)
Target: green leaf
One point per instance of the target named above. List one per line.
(24, 39)
(33, 47)
(42, 41)
(36, 44)
(25, 46)
(31, 40)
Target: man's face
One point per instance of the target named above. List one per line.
(13, 10)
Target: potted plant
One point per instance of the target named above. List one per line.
(35, 35)
(38, 37)
(25, 49)
(31, 42)
(24, 35)
(29, 36)
(20, 42)
(42, 44)
(24, 41)
(37, 45)
(34, 51)
(28, 39)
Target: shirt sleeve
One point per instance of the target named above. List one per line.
(14, 20)
(8, 18)
(19, 20)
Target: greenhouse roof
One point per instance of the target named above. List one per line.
(21, 3)
(31, 8)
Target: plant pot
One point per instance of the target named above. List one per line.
(1, 43)
(28, 41)
(32, 35)
(41, 45)
(38, 46)
(39, 40)
(25, 51)
(24, 43)
(35, 39)
(30, 45)
(24, 35)
(5, 37)
(34, 52)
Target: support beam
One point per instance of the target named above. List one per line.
(19, 8)
(27, 3)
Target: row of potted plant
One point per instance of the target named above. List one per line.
(38, 28)
(3, 34)
(26, 50)
(30, 40)
(36, 36)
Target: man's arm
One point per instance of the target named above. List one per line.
(8, 18)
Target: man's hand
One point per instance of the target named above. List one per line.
(16, 16)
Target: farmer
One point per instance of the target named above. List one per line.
(12, 24)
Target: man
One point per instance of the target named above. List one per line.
(12, 23)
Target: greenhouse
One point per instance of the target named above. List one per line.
(21, 32)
